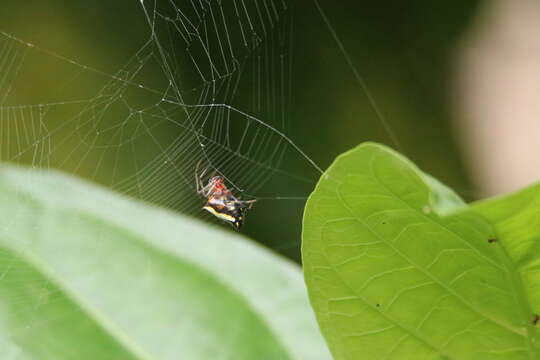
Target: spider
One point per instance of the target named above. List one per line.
(220, 200)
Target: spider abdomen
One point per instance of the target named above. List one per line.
(228, 209)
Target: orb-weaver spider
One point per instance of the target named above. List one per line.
(220, 200)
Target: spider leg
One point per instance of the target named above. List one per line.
(197, 177)
(200, 185)
(197, 183)
(201, 188)
(205, 190)
(249, 203)
(246, 203)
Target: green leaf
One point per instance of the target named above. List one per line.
(87, 274)
(398, 267)
(516, 218)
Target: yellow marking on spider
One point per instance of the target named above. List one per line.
(219, 215)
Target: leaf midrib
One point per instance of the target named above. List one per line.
(513, 278)
(451, 291)
(370, 304)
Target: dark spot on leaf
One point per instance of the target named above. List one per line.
(535, 319)
(492, 240)
(377, 305)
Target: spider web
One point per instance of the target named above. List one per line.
(210, 85)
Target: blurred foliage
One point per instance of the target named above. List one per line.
(404, 51)
(125, 286)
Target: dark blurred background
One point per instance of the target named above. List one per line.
(404, 51)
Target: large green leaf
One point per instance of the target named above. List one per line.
(398, 267)
(87, 274)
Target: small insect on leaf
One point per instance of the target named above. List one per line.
(492, 240)
(535, 319)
